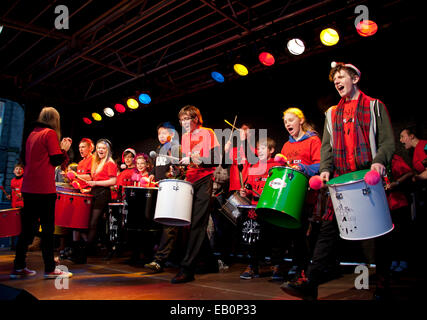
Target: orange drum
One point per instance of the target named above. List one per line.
(10, 222)
(72, 210)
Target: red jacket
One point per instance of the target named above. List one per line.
(16, 185)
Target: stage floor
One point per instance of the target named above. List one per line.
(115, 280)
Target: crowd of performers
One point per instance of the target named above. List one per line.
(357, 135)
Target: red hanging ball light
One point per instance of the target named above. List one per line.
(367, 28)
(266, 59)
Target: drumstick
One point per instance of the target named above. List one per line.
(154, 154)
(231, 124)
(4, 191)
(232, 129)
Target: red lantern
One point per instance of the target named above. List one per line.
(367, 28)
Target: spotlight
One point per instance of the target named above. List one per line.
(1, 29)
(132, 103)
(87, 120)
(296, 46)
(240, 69)
(329, 37)
(120, 108)
(96, 116)
(266, 59)
(144, 98)
(218, 77)
(109, 112)
(367, 28)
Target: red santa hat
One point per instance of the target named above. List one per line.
(123, 165)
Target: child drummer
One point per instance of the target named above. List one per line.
(302, 152)
(350, 143)
(257, 176)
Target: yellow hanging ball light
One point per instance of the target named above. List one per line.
(96, 116)
(329, 37)
(132, 103)
(240, 69)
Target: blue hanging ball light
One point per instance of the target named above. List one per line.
(144, 98)
(218, 77)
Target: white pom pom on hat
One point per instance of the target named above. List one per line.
(348, 65)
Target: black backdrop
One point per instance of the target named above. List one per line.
(392, 71)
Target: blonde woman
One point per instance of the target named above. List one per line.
(104, 175)
(43, 152)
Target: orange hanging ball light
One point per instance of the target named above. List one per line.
(367, 28)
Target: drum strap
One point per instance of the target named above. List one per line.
(373, 127)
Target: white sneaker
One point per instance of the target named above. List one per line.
(22, 273)
(58, 273)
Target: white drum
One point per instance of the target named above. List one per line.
(361, 210)
(174, 202)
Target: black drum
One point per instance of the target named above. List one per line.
(139, 207)
(116, 222)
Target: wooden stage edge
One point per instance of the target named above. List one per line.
(114, 280)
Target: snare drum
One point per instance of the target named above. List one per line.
(174, 202)
(72, 210)
(283, 197)
(139, 207)
(361, 210)
(230, 208)
(62, 186)
(10, 222)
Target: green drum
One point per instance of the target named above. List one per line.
(283, 197)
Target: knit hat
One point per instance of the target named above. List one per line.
(123, 165)
(347, 65)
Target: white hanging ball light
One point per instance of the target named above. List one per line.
(296, 46)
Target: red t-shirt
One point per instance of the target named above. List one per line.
(397, 199)
(39, 174)
(16, 185)
(257, 181)
(201, 141)
(234, 169)
(305, 151)
(419, 156)
(125, 177)
(348, 118)
(85, 165)
(108, 171)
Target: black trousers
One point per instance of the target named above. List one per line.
(167, 243)
(37, 206)
(197, 238)
(325, 255)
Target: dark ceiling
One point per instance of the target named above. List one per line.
(114, 49)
